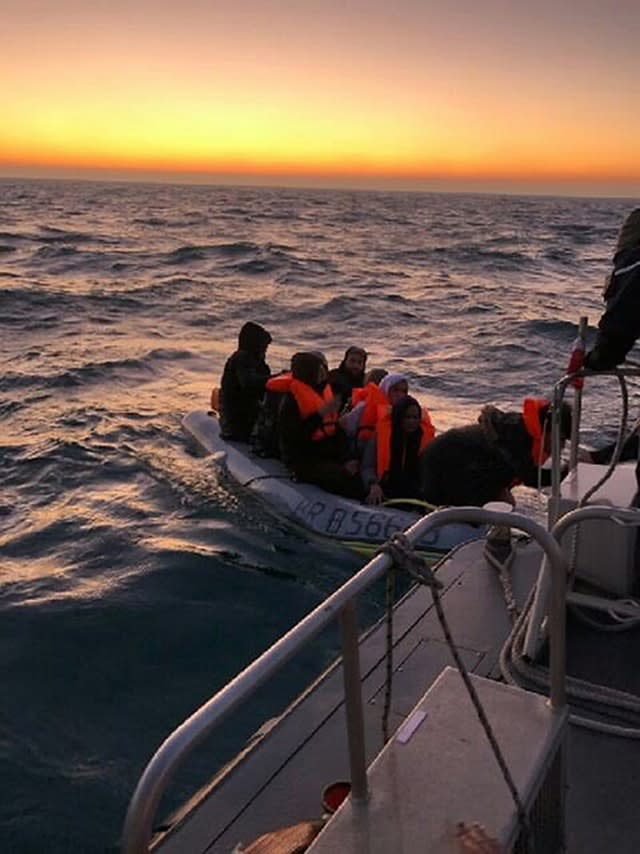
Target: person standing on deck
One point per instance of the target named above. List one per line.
(243, 380)
(619, 326)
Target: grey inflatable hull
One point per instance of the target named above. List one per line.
(349, 522)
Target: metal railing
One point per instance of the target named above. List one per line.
(170, 755)
(559, 391)
(560, 525)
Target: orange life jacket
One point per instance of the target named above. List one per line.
(309, 402)
(280, 382)
(531, 417)
(375, 399)
(383, 440)
(360, 394)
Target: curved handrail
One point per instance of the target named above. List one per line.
(159, 771)
(559, 390)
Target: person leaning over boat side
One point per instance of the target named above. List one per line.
(243, 380)
(313, 446)
(349, 374)
(619, 325)
(390, 463)
(370, 404)
(481, 462)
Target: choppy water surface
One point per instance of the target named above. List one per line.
(134, 580)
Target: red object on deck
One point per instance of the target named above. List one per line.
(334, 794)
(576, 361)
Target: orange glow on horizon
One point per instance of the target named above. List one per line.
(340, 167)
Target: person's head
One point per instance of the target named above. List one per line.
(629, 236)
(355, 358)
(308, 368)
(254, 338)
(406, 414)
(394, 387)
(324, 365)
(375, 375)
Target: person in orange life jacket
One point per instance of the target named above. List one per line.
(371, 402)
(349, 374)
(374, 376)
(390, 463)
(312, 444)
(265, 435)
(481, 462)
(619, 326)
(243, 380)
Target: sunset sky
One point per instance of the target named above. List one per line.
(424, 94)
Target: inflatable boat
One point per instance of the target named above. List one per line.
(358, 526)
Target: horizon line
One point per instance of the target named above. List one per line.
(570, 186)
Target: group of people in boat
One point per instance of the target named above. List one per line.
(362, 435)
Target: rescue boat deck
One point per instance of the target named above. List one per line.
(279, 780)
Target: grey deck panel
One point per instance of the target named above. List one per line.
(268, 755)
(446, 773)
(269, 790)
(420, 655)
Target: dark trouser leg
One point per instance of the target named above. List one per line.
(332, 478)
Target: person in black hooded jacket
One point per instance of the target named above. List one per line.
(243, 380)
(619, 326)
(349, 374)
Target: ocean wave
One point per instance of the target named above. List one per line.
(14, 236)
(196, 252)
(31, 306)
(150, 220)
(580, 234)
(144, 367)
(10, 407)
(51, 235)
(236, 248)
(49, 253)
(562, 330)
(257, 266)
(186, 254)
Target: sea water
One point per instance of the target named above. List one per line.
(134, 579)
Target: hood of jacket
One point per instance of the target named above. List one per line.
(253, 338)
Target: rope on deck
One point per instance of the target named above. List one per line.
(401, 551)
